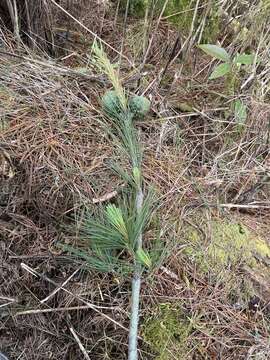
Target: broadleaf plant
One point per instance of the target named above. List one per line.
(229, 63)
(216, 51)
(113, 240)
(229, 66)
(220, 70)
(244, 59)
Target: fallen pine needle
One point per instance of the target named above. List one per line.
(79, 343)
(71, 308)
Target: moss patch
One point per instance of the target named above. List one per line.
(229, 244)
(166, 330)
(229, 253)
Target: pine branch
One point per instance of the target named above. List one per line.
(122, 118)
(119, 229)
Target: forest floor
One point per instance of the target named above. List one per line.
(208, 297)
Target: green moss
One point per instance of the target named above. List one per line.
(262, 248)
(221, 250)
(184, 107)
(229, 245)
(166, 331)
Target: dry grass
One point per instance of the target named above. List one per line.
(54, 160)
(31, 22)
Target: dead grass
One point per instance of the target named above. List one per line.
(54, 160)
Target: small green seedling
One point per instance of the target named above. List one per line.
(112, 240)
(229, 64)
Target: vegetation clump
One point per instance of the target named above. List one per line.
(167, 330)
(229, 244)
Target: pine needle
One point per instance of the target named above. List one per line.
(102, 62)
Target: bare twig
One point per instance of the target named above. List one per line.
(6, 298)
(245, 206)
(105, 197)
(2, 356)
(59, 287)
(45, 311)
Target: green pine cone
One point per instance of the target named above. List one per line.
(139, 106)
(111, 104)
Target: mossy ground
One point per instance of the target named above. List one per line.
(226, 244)
(220, 248)
(167, 330)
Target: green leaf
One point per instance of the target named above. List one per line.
(240, 111)
(244, 59)
(220, 71)
(144, 258)
(103, 261)
(216, 51)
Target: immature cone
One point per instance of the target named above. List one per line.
(111, 104)
(139, 106)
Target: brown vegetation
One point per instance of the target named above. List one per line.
(54, 160)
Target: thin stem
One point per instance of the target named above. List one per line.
(135, 296)
(134, 321)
